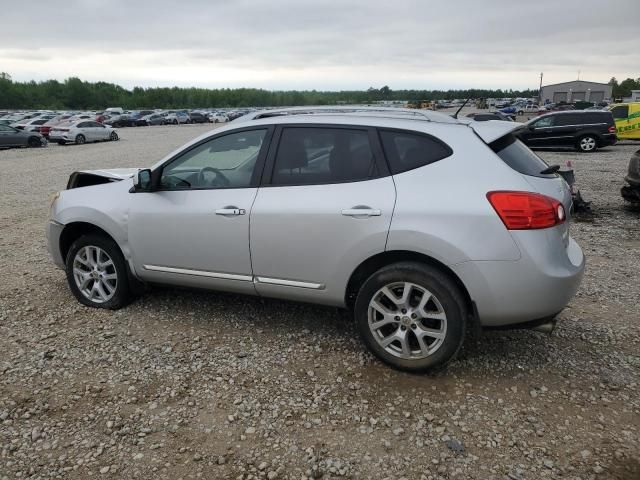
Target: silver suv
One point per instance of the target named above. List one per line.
(422, 224)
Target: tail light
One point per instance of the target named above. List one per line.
(612, 129)
(526, 210)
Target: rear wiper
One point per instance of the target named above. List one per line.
(549, 170)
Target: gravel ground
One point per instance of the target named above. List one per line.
(186, 384)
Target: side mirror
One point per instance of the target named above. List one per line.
(142, 181)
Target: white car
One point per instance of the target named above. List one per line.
(82, 131)
(32, 125)
(531, 108)
(217, 117)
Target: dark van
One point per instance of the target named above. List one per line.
(583, 130)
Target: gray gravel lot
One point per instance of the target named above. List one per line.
(185, 384)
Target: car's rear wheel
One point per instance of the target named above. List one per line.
(34, 142)
(411, 316)
(80, 139)
(587, 143)
(96, 272)
(113, 137)
(520, 112)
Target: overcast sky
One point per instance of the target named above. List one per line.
(323, 45)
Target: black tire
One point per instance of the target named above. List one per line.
(61, 142)
(114, 137)
(449, 297)
(122, 295)
(80, 139)
(520, 112)
(587, 143)
(175, 122)
(34, 142)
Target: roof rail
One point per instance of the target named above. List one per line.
(414, 114)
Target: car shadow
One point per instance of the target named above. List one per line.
(230, 313)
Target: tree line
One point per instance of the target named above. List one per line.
(623, 89)
(76, 94)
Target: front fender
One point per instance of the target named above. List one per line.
(106, 206)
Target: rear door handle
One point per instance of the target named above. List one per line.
(231, 211)
(361, 212)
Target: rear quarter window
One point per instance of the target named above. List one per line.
(406, 151)
(520, 157)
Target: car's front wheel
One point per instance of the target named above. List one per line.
(411, 316)
(96, 272)
(113, 137)
(34, 142)
(587, 143)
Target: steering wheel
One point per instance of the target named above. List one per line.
(219, 181)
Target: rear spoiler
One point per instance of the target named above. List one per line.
(492, 130)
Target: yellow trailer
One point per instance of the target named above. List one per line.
(627, 118)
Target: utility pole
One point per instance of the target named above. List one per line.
(540, 90)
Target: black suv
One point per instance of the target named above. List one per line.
(583, 130)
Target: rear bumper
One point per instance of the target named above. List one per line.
(538, 285)
(53, 232)
(608, 139)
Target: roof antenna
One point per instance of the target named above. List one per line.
(455, 115)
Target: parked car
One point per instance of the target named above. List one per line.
(12, 137)
(80, 132)
(217, 117)
(32, 125)
(508, 110)
(631, 192)
(152, 119)
(348, 212)
(177, 118)
(136, 117)
(583, 130)
(118, 121)
(197, 117)
(484, 116)
(46, 127)
(627, 118)
(529, 108)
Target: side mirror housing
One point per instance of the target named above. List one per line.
(142, 181)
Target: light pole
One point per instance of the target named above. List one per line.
(540, 90)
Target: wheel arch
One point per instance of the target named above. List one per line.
(74, 230)
(376, 262)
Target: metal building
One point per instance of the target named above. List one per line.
(576, 90)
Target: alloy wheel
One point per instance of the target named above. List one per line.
(587, 144)
(407, 320)
(95, 274)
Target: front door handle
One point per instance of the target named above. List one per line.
(361, 212)
(231, 211)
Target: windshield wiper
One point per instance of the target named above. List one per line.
(549, 170)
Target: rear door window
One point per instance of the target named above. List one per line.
(519, 157)
(570, 119)
(406, 151)
(314, 155)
